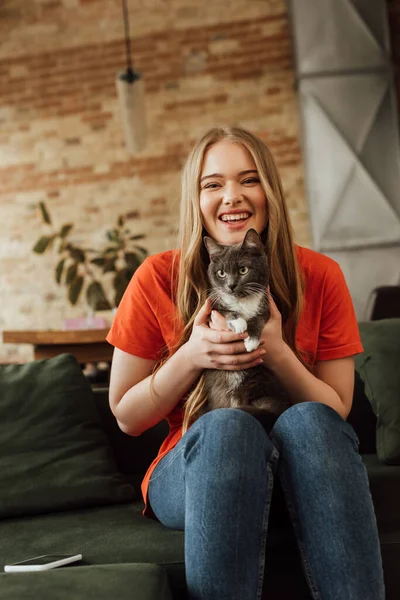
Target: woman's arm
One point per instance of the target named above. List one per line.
(130, 396)
(332, 382)
(138, 405)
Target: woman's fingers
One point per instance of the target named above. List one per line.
(223, 337)
(218, 322)
(244, 367)
(203, 315)
(220, 347)
(230, 364)
(234, 354)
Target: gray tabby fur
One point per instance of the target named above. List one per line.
(242, 299)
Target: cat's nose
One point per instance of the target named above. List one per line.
(232, 286)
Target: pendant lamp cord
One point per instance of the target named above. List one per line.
(129, 68)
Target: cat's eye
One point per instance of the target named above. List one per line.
(243, 270)
(221, 273)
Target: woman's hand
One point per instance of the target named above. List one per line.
(218, 322)
(271, 335)
(211, 349)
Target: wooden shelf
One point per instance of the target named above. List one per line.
(87, 345)
(79, 336)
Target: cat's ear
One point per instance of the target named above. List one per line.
(211, 245)
(252, 240)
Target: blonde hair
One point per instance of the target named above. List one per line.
(286, 283)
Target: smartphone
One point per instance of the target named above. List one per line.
(42, 563)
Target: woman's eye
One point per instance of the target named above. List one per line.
(211, 186)
(252, 180)
(243, 270)
(221, 273)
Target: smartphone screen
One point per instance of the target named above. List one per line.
(43, 560)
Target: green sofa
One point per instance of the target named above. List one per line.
(87, 499)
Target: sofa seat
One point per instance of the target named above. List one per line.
(149, 582)
(116, 534)
(109, 534)
(104, 535)
(385, 490)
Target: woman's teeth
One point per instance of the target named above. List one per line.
(236, 217)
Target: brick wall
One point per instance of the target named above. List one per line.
(61, 139)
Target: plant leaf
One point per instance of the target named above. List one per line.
(121, 221)
(99, 262)
(45, 214)
(75, 289)
(42, 244)
(65, 229)
(61, 245)
(141, 249)
(71, 273)
(120, 282)
(96, 297)
(113, 235)
(110, 250)
(109, 266)
(59, 270)
(137, 237)
(76, 254)
(133, 261)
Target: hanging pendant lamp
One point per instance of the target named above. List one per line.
(130, 89)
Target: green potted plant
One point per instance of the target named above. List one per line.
(83, 270)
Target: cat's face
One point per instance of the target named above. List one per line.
(240, 270)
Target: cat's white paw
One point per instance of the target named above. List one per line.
(251, 343)
(237, 325)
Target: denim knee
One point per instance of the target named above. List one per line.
(232, 430)
(312, 426)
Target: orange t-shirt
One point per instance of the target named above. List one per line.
(146, 322)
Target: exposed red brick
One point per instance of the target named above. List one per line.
(196, 102)
(17, 168)
(76, 81)
(273, 91)
(103, 116)
(51, 5)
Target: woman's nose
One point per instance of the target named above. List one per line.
(232, 193)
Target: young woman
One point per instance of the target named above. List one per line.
(214, 474)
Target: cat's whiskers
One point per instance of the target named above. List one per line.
(214, 296)
(256, 288)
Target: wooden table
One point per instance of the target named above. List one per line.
(87, 345)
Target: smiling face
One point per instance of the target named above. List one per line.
(232, 199)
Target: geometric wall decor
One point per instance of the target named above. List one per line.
(339, 35)
(352, 164)
(350, 137)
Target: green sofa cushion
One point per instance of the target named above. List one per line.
(54, 454)
(125, 582)
(120, 533)
(103, 535)
(379, 367)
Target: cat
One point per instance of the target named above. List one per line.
(238, 276)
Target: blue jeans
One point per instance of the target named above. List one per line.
(216, 485)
